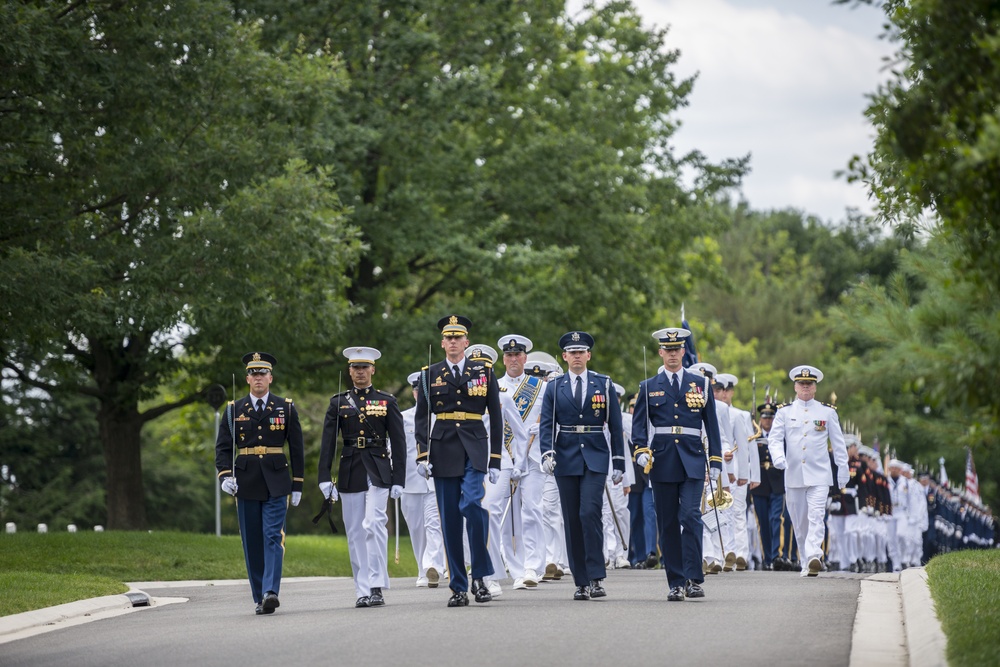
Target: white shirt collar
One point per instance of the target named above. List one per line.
(461, 365)
(253, 400)
(573, 376)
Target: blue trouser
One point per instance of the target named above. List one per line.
(262, 526)
(678, 506)
(581, 498)
(768, 510)
(786, 534)
(458, 498)
(637, 520)
(649, 516)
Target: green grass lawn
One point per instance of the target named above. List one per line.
(965, 586)
(41, 570)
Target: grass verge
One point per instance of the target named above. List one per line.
(965, 586)
(41, 570)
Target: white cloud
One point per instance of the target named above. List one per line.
(783, 81)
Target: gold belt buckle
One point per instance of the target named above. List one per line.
(459, 415)
(260, 450)
(360, 443)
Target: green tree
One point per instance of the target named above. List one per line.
(159, 217)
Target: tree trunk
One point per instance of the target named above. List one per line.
(120, 429)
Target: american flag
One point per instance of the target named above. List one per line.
(971, 478)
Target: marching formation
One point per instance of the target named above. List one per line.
(539, 474)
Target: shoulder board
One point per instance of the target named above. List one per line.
(288, 400)
(503, 389)
(829, 405)
(424, 368)
(232, 402)
(489, 364)
(598, 376)
(384, 393)
(782, 405)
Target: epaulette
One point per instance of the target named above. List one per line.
(829, 405)
(599, 376)
(288, 400)
(424, 368)
(503, 389)
(232, 402)
(385, 393)
(782, 405)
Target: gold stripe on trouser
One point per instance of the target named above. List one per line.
(282, 541)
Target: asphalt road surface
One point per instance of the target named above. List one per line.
(746, 618)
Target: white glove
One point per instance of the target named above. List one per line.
(779, 464)
(424, 469)
(714, 474)
(533, 429)
(616, 477)
(296, 498)
(494, 475)
(835, 506)
(516, 473)
(229, 485)
(549, 462)
(396, 491)
(642, 460)
(851, 492)
(328, 490)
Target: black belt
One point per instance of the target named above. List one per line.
(364, 443)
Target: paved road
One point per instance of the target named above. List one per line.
(747, 618)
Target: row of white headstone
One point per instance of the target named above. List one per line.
(44, 528)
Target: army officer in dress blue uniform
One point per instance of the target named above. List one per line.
(372, 469)
(459, 453)
(257, 474)
(575, 410)
(671, 410)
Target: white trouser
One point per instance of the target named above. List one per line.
(894, 527)
(712, 522)
(741, 541)
(613, 542)
(555, 534)
(852, 545)
(424, 524)
(807, 507)
(367, 538)
(835, 530)
(530, 488)
(753, 531)
(500, 544)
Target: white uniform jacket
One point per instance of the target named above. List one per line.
(798, 443)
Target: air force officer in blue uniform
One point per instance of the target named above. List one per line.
(459, 453)
(576, 450)
(671, 409)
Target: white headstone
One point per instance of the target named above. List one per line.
(71, 527)
(98, 529)
(11, 527)
(42, 528)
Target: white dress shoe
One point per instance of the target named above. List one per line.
(519, 584)
(421, 582)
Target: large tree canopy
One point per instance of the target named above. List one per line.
(157, 208)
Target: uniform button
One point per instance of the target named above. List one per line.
(260, 437)
(260, 456)
(675, 416)
(458, 402)
(676, 406)
(676, 441)
(458, 424)
(362, 433)
(803, 448)
(259, 427)
(581, 444)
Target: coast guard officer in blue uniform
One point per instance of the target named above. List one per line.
(671, 410)
(575, 410)
(459, 453)
(260, 424)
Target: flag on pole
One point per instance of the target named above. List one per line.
(690, 355)
(971, 478)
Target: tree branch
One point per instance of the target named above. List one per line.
(153, 413)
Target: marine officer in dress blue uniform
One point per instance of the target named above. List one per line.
(459, 453)
(257, 474)
(575, 410)
(671, 411)
(372, 470)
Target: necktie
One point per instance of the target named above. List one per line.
(260, 405)
(454, 370)
(578, 392)
(673, 383)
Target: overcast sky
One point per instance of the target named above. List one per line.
(783, 80)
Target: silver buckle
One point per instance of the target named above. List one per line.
(360, 444)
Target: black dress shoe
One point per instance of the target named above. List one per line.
(582, 593)
(259, 609)
(652, 561)
(641, 565)
(459, 599)
(480, 590)
(596, 590)
(376, 599)
(767, 567)
(693, 590)
(270, 602)
(363, 601)
(676, 594)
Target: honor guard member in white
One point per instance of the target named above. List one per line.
(575, 411)
(918, 520)
(503, 543)
(459, 452)
(614, 511)
(747, 464)
(899, 491)
(419, 507)
(372, 470)
(798, 445)
(527, 392)
(261, 424)
(671, 410)
(719, 557)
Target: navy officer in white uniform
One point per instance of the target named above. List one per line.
(798, 445)
(575, 410)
